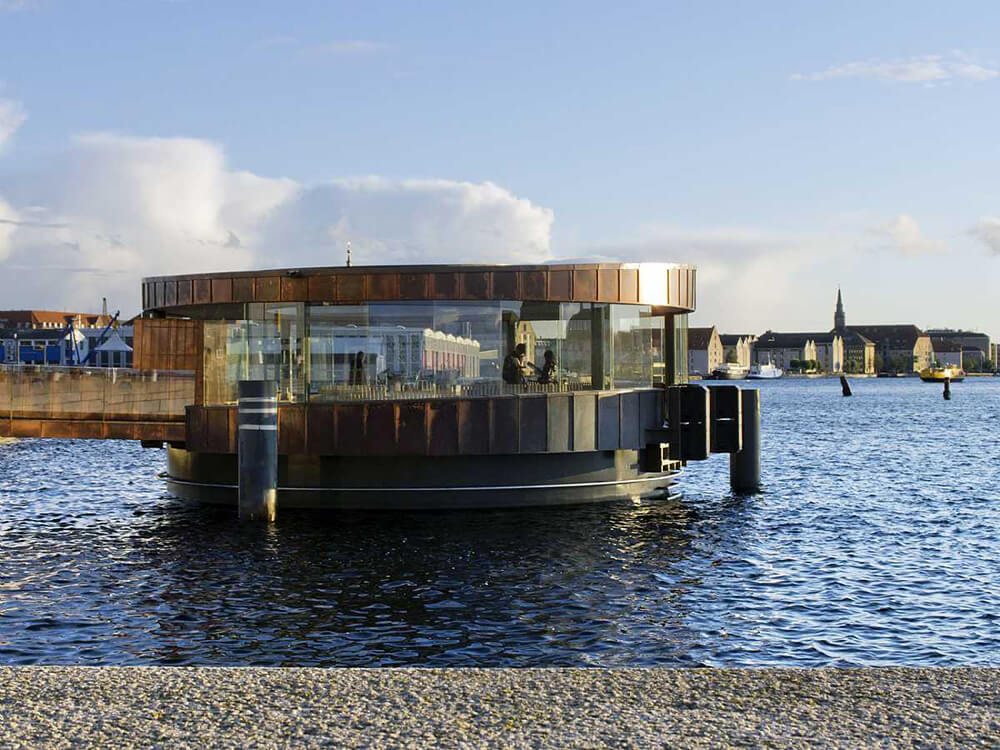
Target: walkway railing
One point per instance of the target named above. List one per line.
(94, 393)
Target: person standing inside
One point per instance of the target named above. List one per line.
(513, 366)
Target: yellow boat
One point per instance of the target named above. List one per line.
(940, 374)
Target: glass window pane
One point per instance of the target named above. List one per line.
(282, 350)
(340, 351)
(632, 346)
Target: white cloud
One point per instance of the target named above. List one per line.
(114, 208)
(903, 234)
(925, 69)
(987, 230)
(12, 115)
(8, 224)
(749, 279)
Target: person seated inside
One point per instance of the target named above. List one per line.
(547, 373)
(513, 366)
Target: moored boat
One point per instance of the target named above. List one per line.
(730, 371)
(940, 374)
(766, 371)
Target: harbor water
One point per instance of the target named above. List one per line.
(875, 541)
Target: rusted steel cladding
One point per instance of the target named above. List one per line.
(526, 424)
(663, 285)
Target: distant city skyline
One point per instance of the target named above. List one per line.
(784, 149)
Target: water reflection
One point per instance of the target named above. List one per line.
(873, 543)
(537, 587)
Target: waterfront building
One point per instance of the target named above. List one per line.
(976, 347)
(947, 351)
(737, 348)
(899, 348)
(63, 346)
(50, 319)
(859, 353)
(404, 386)
(782, 349)
(867, 349)
(705, 351)
(830, 351)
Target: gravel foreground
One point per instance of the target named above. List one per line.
(261, 707)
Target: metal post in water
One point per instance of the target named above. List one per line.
(947, 389)
(258, 450)
(744, 466)
(845, 386)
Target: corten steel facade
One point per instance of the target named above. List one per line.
(395, 383)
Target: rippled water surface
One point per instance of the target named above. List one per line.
(876, 541)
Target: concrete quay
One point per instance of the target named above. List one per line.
(266, 707)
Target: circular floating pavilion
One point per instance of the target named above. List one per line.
(429, 386)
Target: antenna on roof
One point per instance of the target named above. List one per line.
(348, 253)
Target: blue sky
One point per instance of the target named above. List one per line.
(782, 147)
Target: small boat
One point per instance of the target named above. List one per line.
(730, 371)
(766, 371)
(940, 374)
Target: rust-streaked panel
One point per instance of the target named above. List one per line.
(267, 289)
(351, 287)
(233, 429)
(585, 285)
(202, 291)
(443, 428)
(292, 429)
(413, 286)
(380, 429)
(322, 288)
(72, 429)
(474, 426)
(444, 286)
(560, 285)
(222, 290)
(505, 285)
(532, 421)
(122, 431)
(412, 428)
(170, 293)
(607, 285)
(350, 420)
(243, 289)
(321, 435)
(383, 286)
(217, 430)
(26, 428)
(628, 285)
(195, 417)
(184, 293)
(503, 425)
(475, 285)
(533, 286)
(294, 289)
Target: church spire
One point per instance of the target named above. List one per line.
(839, 319)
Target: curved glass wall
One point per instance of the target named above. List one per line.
(399, 350)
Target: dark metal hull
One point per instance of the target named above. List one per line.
(420, 482)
